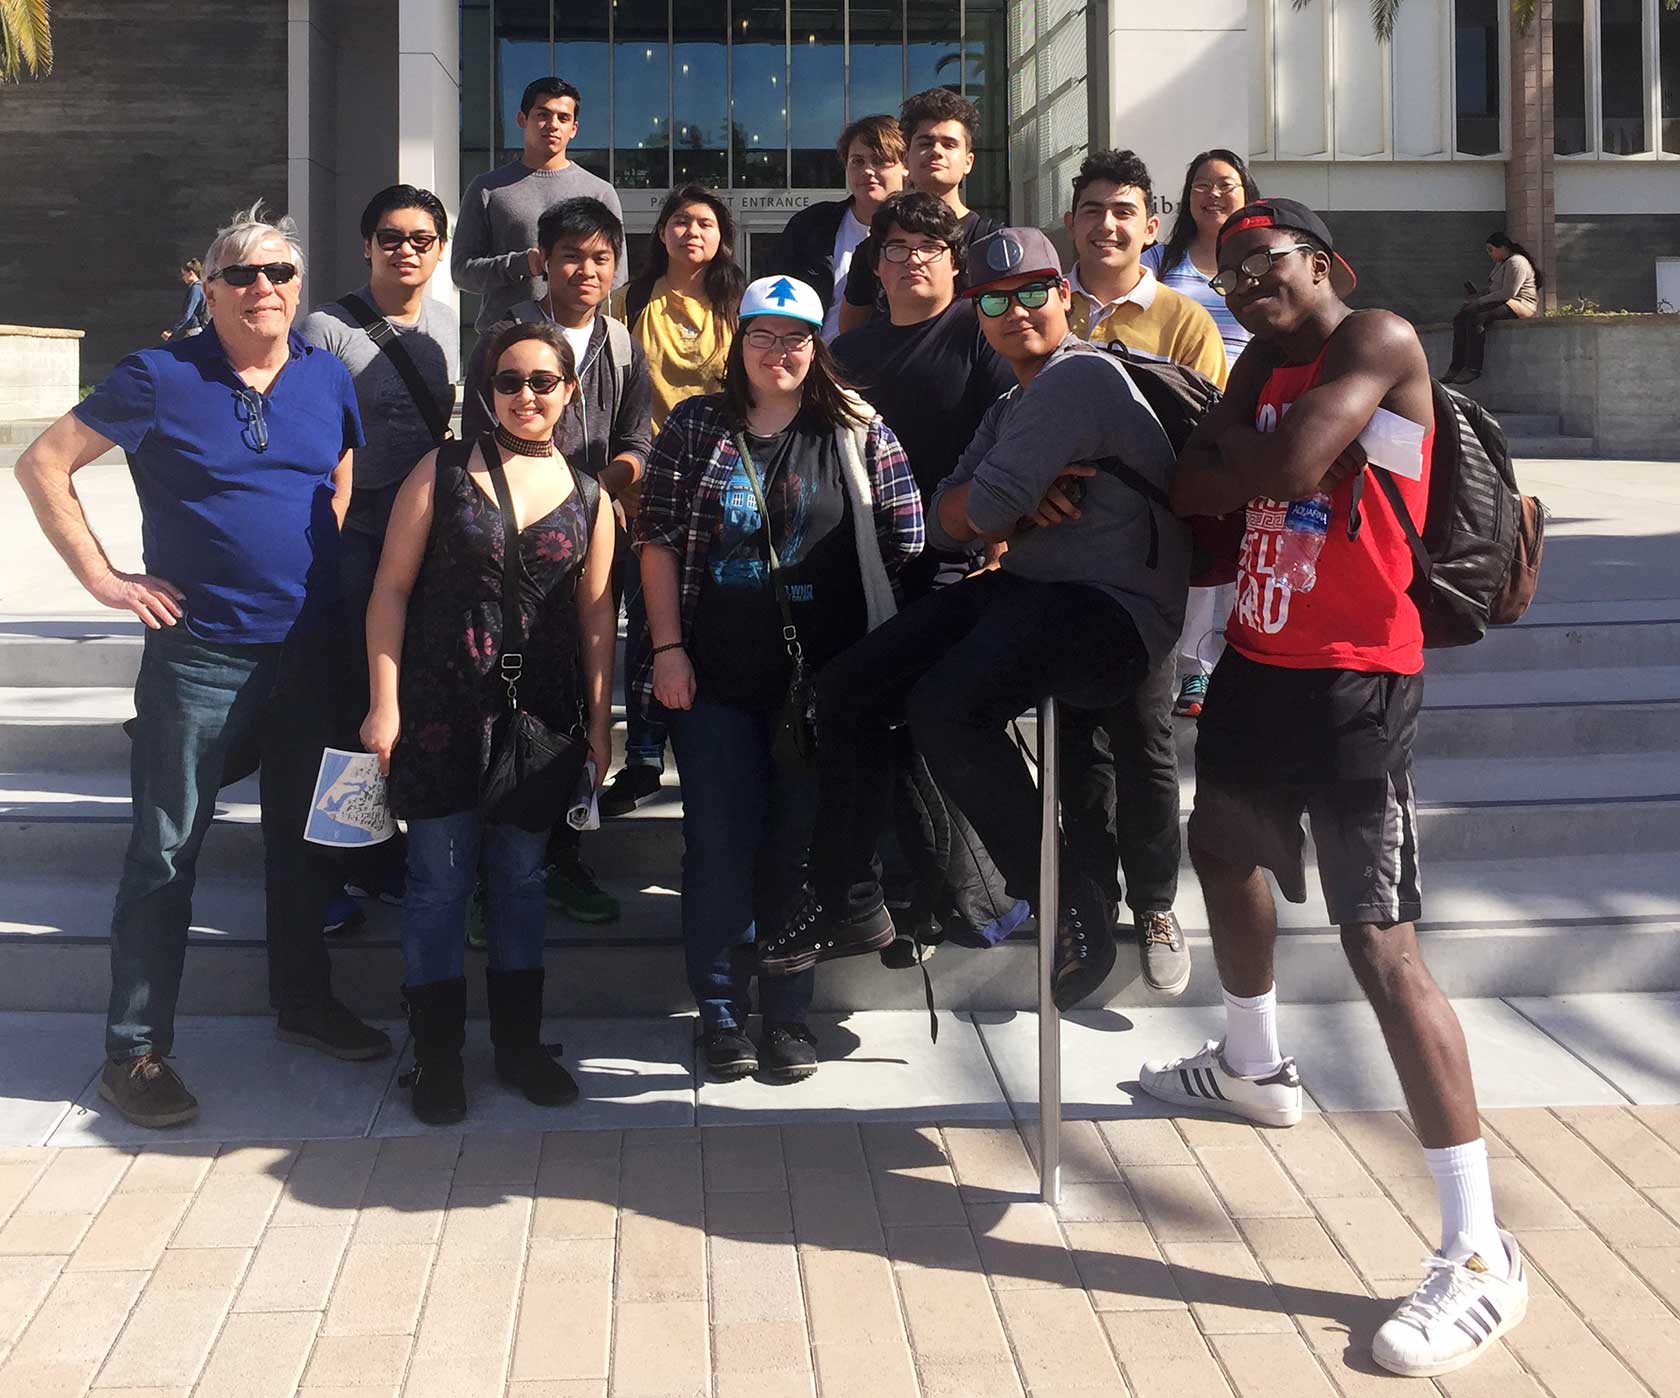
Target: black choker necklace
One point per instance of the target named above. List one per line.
(521, 446)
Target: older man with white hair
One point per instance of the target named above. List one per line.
(240, 443)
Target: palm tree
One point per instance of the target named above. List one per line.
(25, 39)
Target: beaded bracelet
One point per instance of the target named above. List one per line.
(669, 645)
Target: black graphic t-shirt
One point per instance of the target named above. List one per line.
(739, 656)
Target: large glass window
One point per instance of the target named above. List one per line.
(1668, 48)
(933, 51)
(877, 58)
(759, 90)
(1476, 55)
(818, 103)
(1569, 77)
(521, 58)
(700, 93)
(581, 53)
(986, 84)
(1621, 49)
(641, 95)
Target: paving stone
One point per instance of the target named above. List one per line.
(1628, 1143)
(1523, 1200)
(1227, 1292)
(274, 1158)
(1319, 1163)
(835, 1211)
(499, 1157)
(747, 1214)
(1121, 1267)
(1021, 1247)
(956, 1380)
(950, 1317)
(756, 1279)
(1376, 1238)
(660, 1348)
(917, 1195)
(130, 1232)
(1664, 1120)
(1650, 1346)
(546, 1388)
(941, 1249)
(1164, 1356)
(1251, 1183)
(1660, 1267)
(17, 1178)
(782, 1384)
(76, 1182)
(822, 1146)
(37, 1235)
(866, 1369)
(1098, 1202)
(1059, 1342)
(199, 1269)
(24, 1284)
(893, 1145)
(259, 1356)
(443, 1375)
(230, 1212)
(484, 1225)
(1383, 1142)
(742, 1158)
(1561, 1158)
(1215, 1132)
(1086, 1158)
(741, 1347)
(1638, 1225)
(1589, 1276)
(470, 1312)
(379, 1289)
(660, 1259)
(1272, 1366)
(667, 1183)
(991, 1162)
(1336, 1315)
(358, 1361)
(565, 1315)
(1178, 1204)
(403, 1204)
(1145, 1141)
(167, 1339)
(1495, 1374)
(294, 1269)
(1565, 1356)
(1668, 1200)
(580, 1201)
(71, 1333)
(851, 1300)
(327, 1184)
(169, 1167)
(434, 1150)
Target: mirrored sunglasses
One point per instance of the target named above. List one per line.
(1031, 297)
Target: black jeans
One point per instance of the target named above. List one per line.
(1470, 333)
(958, 666)
(1120, 792)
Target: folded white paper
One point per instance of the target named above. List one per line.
(1395, 443)
(349, 808)
(584, 813)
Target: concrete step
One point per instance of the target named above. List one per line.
(20, 432)
(1551, 446)
(1561, 645)
(1533, 926)
(1528, 424)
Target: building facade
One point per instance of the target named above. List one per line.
(159, 119)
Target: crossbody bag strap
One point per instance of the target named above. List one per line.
(513, 625)
(385, 336)
(790, 633)
(1420, 555)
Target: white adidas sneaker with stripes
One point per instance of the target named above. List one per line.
(1459, 1309)
(1203, 1081)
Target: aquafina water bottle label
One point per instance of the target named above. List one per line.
(1311, 516)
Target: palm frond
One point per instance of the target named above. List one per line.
(25, 39)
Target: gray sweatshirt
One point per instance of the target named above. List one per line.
(1081, 406)
(497, 228)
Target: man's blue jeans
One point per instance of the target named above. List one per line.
(197, 705)
(746, 824)
(443, 868)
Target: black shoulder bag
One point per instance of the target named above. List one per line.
(385, 336)
(800, 716)
(533, 773)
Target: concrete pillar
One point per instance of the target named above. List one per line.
(312, 139)
(429, 108)
(1530, 183)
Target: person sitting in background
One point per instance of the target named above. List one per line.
(1513, 293)
(195, 312)
(785, 471)
(819, 241)
(436, 651)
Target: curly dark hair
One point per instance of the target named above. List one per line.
(914, 212)
(1117, 167)
(935, 105)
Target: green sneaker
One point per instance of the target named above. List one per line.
(573, 890)
(476, 940)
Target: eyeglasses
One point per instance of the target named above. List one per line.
(542, 383)
(922, 253)
(246, 273)
(793, 342)
(1253, 267)
(248, 408)
(390, 239)
(1030, 297)
(1216, 187)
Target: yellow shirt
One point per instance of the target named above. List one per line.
(685, 343)
(1155, 319)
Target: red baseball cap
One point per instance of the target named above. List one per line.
(1297, 218)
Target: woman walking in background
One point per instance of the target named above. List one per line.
(439, 672)
(195, 311)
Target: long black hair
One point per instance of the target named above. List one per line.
(825, 393)
(1501, 239)
(723, 281)
(1177, 246)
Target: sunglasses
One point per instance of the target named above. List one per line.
(1253, 267)
(792, 342)
(542, 382)
(1031, 297)
(246, 273)
(390, 239)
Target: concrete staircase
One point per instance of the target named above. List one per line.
(1549, 777)
(1541, 435)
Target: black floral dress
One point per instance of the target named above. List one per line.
(450, 690)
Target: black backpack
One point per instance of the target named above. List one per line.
(1478, 557)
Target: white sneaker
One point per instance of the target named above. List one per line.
(1459, 1309)
(1202, 1080)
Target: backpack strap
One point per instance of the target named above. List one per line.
(1420, 555)
(1114, 466)
(384, 335)
(618, 355)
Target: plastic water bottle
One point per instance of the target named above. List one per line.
(1304, 527)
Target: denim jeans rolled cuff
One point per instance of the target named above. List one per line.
(745, 825)
(645, 728)
(445, 855)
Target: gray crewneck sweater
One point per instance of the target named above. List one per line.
(497, 228)
(1081, 406)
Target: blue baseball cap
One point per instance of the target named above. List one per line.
(1010, 252)
(782, 296)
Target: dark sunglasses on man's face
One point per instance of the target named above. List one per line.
(390, 239)
(246, 273)
(1033, 296)
(542, 383)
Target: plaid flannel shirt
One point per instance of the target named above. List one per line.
(690, 466)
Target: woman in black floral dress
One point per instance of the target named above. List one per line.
(434, 652)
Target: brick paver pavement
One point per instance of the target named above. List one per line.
(1189, 1258)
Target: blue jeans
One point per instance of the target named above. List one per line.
(644, 734)
(443, 867)
(197, 706)
(746, 823)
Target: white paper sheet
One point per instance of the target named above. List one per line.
(584, 813)
(1395, 443)
(350, 809)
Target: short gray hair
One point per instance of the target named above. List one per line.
(244, 232)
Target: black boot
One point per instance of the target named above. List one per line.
(522, 1059)
(437, 1021)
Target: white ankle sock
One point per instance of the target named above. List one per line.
(1467, 1221)
(1251, 1041)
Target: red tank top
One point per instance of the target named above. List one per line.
(1358, 616)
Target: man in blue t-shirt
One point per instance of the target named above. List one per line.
(239, 441)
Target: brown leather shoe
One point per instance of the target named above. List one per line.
(147, 1091)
